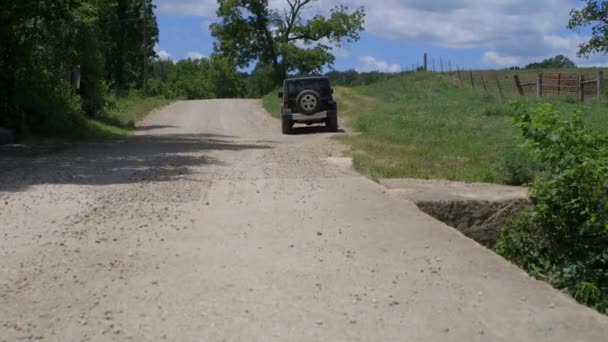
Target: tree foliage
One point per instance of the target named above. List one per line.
(192, 79)
(564, 237)
(593, 14)
(45, 44)
(557, 62)
(289, 41)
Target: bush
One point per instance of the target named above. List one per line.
(518, 167)
(563, 239)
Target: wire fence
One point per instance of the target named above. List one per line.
(579, 84)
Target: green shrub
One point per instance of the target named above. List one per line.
(517, 166)
(563, 239)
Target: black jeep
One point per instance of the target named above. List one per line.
(308, 100)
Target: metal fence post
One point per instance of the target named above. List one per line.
(425, 62)
(581, 88)
(600, 84)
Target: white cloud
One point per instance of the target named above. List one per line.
(567, 44)
(163, 54)
(369, 63)
(493, 58)
(195, 55)
(553, 45)
(201, 8)
(464, 23)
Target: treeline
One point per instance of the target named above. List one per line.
(217, 77)
(61, 59)
(191, 79)
(557, 62)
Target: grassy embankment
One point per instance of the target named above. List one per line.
(272, 103)
(427, 126)
(118, 120)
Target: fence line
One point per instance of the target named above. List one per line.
(560, 83)
(504, 85)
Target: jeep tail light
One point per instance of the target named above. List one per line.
(286, 104)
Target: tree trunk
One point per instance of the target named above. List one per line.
(280, 74)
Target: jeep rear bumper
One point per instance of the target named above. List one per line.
(316, 117)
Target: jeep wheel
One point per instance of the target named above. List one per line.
(308, 102)
(286, 125)
(332, 123)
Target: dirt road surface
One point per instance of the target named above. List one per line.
(208, 225)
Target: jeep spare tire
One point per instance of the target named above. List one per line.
(308, 102)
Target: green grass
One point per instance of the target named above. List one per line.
(424, 125)
(127, 111)
(119, 120)
(272, 103)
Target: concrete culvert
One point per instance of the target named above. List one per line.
(6, 136)
(478, 220)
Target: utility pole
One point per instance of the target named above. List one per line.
(145, 46)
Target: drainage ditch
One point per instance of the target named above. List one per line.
(478, 220)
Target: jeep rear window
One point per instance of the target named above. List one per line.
(320, 86)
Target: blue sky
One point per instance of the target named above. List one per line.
(469, 33)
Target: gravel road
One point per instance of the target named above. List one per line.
(208, 225)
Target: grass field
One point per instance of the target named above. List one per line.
(424, 125)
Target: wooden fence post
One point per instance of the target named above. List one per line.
(600, 84)
(472, 81)
(502, 96)
(559, 84)
(483, 81)
(581, 88)
(460, 76)
(520, 89)
(539, 85)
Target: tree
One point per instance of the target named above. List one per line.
(126, 48)
(557, 62)
(223, 78)
(250, 31)
(595, 14)
(261, 81)
(205, 78)
(44, 43)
